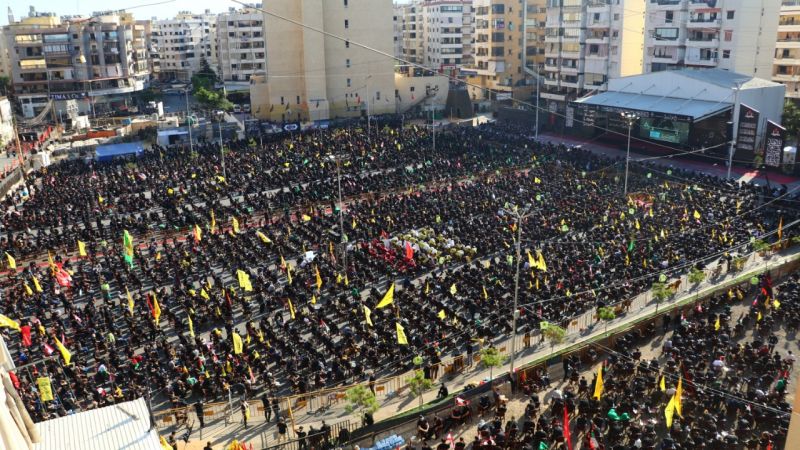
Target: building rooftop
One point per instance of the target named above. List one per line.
(124, 425)
(696, 109)
(724, 78)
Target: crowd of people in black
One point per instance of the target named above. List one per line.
(165, 319)
(733, 371)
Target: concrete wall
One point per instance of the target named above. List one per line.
(631, 39)
(404, 85)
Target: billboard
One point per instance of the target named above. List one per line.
(773, 144)
(746, 135)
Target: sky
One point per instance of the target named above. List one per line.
(163, 10)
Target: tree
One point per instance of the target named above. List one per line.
(661, 292)
(205, 77)
(791, 118)
(761, 245)
(606, 314)
(418, 384)
(696, 276)
(491, 358)
(555, 334)
(5, 84)
(212, 99)
(360, 398)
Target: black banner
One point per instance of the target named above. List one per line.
(773, 144)
(746, 135)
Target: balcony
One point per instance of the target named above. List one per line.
(550, 68)
(785, 77)
(597, 40)
(569, 70)
(665, 58)
(702, 42)
(703, 23)
(705, 4)
(661, 42)
(666, 5)
(787, 43)
(700, 61)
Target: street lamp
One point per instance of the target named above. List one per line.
(630, 119)
(519, 215)
(221, 117)
(342, 241)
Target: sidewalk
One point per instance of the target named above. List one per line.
(719, 170)
(582, 330)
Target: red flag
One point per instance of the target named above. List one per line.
(567, 436)
(25, 331)
(409, 251)
(769, 445)
(47, 349)
(63, 278)
(14, 379)
(149, 303)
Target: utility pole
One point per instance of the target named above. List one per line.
(518, 217)
(735, 130)
(189, 121)
(630, 118)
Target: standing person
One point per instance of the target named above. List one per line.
(372, 382)
(276, 407)
(301, 438)
(245, 412)
(198, 410)
(267, 407)
(281, 429)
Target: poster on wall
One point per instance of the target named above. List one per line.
(570, 117)
(746, 135)
(773, 144)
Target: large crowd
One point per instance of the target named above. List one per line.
(719, 381)
(258, 276)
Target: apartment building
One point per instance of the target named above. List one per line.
(412, 29)
(786, 67)
(507, 50)
(397, 30)
(183, 42)
(588, 42)
(734, 35)
(240, 43)
(311, 76)
(447, 34)
(100, 60)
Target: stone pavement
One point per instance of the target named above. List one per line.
(581, 330)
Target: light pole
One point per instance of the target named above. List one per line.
(189, 120)
(519, 215)
(369, 124)
(342, 240)
(630, 119)
(221, 116)
(735, 129)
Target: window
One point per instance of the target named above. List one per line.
(731, 14)
(377, 95)
(346, 23)
(616, 17)
(349, 82)
(726, 54)
(281, 100)
(411, 89)
(347, 63)
(346, 44)
(298, 99)
(728, 35)
(345, 3)
(670, 16)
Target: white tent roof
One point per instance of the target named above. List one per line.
(121, 426)
(696, 109)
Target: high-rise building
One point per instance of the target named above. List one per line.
(447, 34)
(240, 43)
(734, 35)
(588, 42)
(311, 76)
(101, 60)
(184, 42)
(397, 30)
(506, 48)
(786, 68)
(412, 27)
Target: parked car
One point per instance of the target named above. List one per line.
(237, 108)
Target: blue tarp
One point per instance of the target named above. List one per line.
(110, 151)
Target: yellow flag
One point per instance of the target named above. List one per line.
(717, 325)
(198, 233)
(235, 224)
(81, 248)
(244, 280)
(531, 261)
(164, 444)
(678, 395)
(598, 387)
(6, 322)
(237, 343)
(306, 218)
(12, 263)
(130, 300)
(156, 309)
(401, 335)
(780, 229)
(662, 384)
(263, 237)
(100, 199)
(45, 389)
(313, 299)
(486, 294)
(442, 314)
(537, 180)
(289, 275)
(637, 224)
(346, 280)
(427, 287)
(368, 315)
(776, 304)
(28, 289)
(542, 264)
(759, 317)
(64, 352)
(204, 294)
(36, 284)
(453, 289)
(291, 308)
(388, 298)
(191, 325)
(669, 412)
(696, 216)
(319, 278)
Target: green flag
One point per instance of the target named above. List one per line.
(631, 244)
